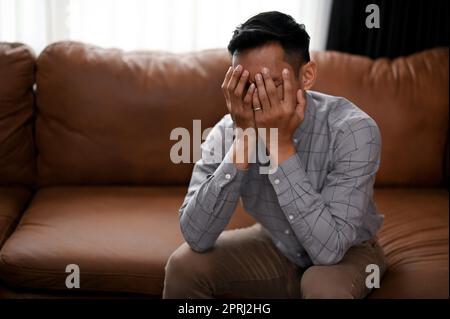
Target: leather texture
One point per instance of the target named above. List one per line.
(414, 238)
(17, 77)
(105, 116)
(120, 237)
(13, 201)
(105, 132)
(408, 98)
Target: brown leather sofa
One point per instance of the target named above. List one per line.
(86, 178)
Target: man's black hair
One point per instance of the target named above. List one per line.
(273, 26)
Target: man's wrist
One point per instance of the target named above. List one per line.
(285, 151)
(243, 150)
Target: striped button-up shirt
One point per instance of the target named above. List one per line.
(316, 205)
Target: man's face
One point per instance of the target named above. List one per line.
(270, 56)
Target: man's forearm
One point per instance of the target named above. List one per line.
(210, 207)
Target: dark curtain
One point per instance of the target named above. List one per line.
(406, 26)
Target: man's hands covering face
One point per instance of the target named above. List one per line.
(260, 106)
(285, 114)
(239, 105)
(240, 108)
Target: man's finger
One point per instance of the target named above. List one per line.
(262, 94)
(287, 88)
(256, 104)
(226, 80)
(249, 96)
(234, 79)
(241, 84)
(270, 87)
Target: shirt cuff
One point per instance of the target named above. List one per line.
(227, 173)
(288, 173)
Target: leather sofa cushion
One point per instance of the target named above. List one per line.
(415, 239)
(17, 161)
(408, 98)
(12, 203)
(105, 116)
(121, 238)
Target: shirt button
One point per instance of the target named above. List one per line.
(287, 231)
(291, 217)
(298, 254)
(227, 176)
(295, 141)
(277, 181)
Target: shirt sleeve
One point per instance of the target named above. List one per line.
(326, 221)
(213, 193)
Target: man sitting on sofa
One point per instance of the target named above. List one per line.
(317, 221)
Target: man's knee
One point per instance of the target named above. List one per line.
(184, 263)
(184, 270)
(326, 282)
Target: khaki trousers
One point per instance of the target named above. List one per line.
(244, 263)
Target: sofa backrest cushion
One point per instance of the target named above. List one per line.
(408, 98)
(105, 116)
(17, 152)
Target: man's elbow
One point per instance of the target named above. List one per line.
(328, 260)
(198, 247)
